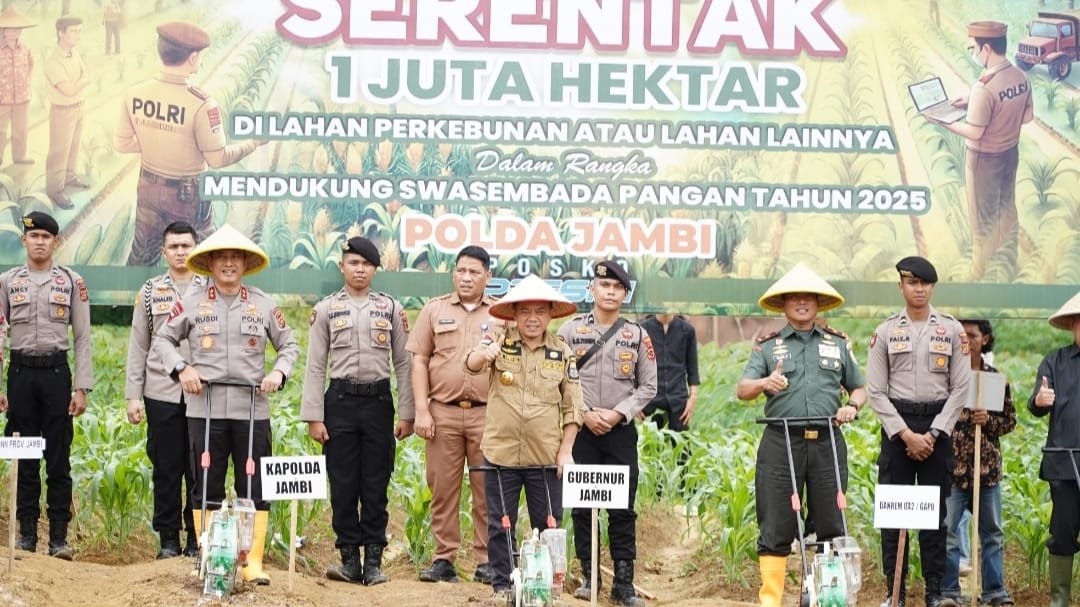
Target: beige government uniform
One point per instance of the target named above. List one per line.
(534, 393)
(446, 332)
(172, 124)
(65, 118)
(361, 336)
(1001, 102)
(146, 374)
(621, 376)
(917, 378)
(40, 306)
(228, 342)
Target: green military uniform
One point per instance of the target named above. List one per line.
(817, 364)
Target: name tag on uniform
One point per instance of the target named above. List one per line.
(828, 350)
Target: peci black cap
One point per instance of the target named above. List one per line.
(917, 267)
(40, 221)
(610, 269)
(362, 247)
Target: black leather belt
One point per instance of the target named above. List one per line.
(39, 361)
(376, 387)
(806, 432)
(910, 407)
(465, 404)
(169, 182)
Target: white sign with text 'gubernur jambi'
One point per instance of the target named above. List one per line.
(596, 487)
(294, 478)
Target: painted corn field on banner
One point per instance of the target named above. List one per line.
(708, 145)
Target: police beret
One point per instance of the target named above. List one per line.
(40, 221)
(917, 267)
(986, 29)
(67, 21)
(362, 247)
(610, 269)
(185, 35)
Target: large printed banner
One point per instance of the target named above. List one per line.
(706, 144)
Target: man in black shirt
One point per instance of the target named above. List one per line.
(675, 343)
(1059, 373)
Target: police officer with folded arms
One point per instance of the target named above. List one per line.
(152, 395)
(362, 332)
(618, 377)
(227, 328)
(41, 301)
(917, 378)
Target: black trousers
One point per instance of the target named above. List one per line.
(228, 438)
(359, 461)
(169, 451)
(1064, 518)
(618, 447)
(541, 486)
(38, 402)
(814, 473)
(896, 468)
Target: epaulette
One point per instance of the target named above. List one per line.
(836, 332)
(198, 93)
(767, 337)
(256, 291)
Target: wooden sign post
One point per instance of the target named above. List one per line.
(14, 448)
(293, 478)
(596, 487)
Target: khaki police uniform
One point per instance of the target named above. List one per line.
(445, 332)
(818, 364)
(65, 118)
(620, 376)
(228, 343)
(166, 421)
(41, 307)
(361, 336)
(917, 378)
(1001, 102)
(171, 123)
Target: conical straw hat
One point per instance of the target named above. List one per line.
(1062, 319)
(531, 288)
(227, 237)
(800, 279)
(11, 17)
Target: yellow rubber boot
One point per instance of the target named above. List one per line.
(773, 570)
(197, 524)
(253, 571)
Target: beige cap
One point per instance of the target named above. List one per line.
(531, 288)
(986, 29)
(13, 18)
(227, 238)
(800, 279)
(1063, 318)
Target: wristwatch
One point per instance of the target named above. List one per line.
(936, 433)
(180, 366)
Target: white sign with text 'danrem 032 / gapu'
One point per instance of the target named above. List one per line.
(907, 507)
(605, 487)
(294, 478)
(21, 447)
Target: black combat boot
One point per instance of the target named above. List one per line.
(349, 570)
(584, 591)
(888, 593)
(622, 589)
(58, 545)
(934, 597)
(170, 544)
(191, 548)
(27, 535)
(373, 565)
